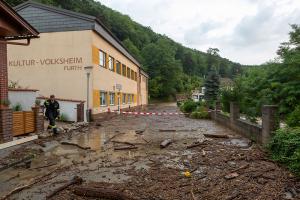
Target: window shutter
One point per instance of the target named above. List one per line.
(96, 99)
(106, 61)
(115, 65)
(95, 55)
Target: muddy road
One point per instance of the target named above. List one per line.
(121, 158)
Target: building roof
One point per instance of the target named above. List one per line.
(52, 19)
(13, 26)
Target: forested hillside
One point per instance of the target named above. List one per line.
(172, 67)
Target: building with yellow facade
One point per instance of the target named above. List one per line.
(68, 43)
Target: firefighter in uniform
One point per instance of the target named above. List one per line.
(52, 112)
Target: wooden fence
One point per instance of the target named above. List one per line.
(23, 122)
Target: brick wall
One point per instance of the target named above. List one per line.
(3, 72)
(5, 125)
(39, 119)
(5, 113)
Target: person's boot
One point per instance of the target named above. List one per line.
(55, 131)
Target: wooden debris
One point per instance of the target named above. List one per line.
(24, 160)
(120, 142)
(47, 165)
(102, 193)
(215, 135)
(196, 144)
(193, 196)
(73, 181)
(139, 132)
(20, 188)
(203, 153)
(76, 145)
(240, 168)
(107, 141)
(125, 148)
(231, 176)
(167, 130)
(165, 143)
(145, 140)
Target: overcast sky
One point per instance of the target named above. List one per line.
(245, 31)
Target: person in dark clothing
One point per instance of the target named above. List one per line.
(52, 112)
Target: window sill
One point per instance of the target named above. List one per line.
(103, 105)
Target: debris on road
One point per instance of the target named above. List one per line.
(167, 130)
(165, 143)
(76, 145)
(231, 176)
(26, 160)
(139, 132)
(103, 193)
(215, 135)
(124, 163)
(73, 181)
(125, 147)
(196, 144)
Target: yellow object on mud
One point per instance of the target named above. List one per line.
(187, 174)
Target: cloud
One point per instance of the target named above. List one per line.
(200, 34)
(246, 31)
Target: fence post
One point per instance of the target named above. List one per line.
(270, 122)
(218, 106)
(38, 119)
(234, 111)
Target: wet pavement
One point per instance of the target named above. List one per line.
(148, 172)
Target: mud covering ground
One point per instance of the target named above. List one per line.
(218, 168)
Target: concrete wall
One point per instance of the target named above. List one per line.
(67, 108)
(255, 132)
(144, 90)
(24, 97)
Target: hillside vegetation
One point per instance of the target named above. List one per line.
(172, 67)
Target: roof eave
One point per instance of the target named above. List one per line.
(30, 29)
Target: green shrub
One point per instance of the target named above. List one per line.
(285, 148)
(188, 106)
(17, 107)
(64, 117)
(37, 102)
(200, 113)
(293, 119)
(179, 103)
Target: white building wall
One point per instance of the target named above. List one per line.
(68, 109)
(25, 98)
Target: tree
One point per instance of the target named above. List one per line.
(212, 84)
(212, 55)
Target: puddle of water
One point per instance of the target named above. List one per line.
(94, 139)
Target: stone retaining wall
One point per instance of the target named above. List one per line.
(255, 132)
